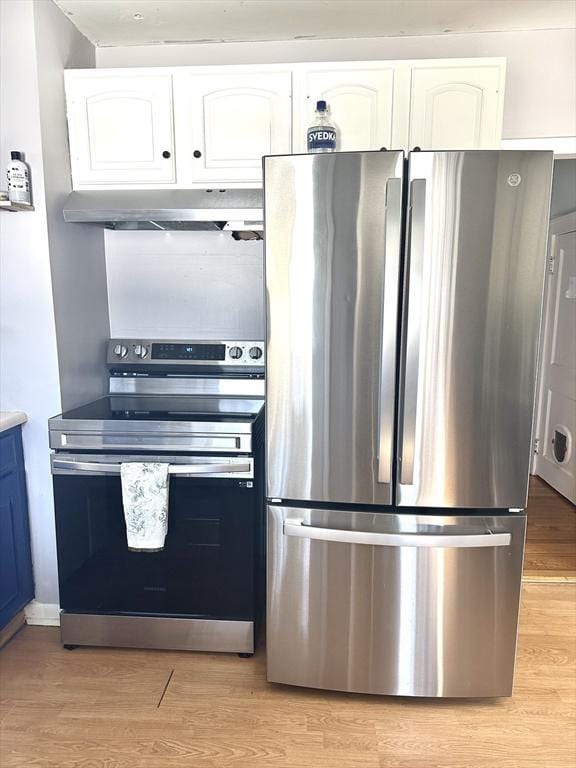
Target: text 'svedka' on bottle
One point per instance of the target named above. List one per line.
(321, 135)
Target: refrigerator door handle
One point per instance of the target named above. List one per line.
(431, 541)
(415, 263)
(393, 233)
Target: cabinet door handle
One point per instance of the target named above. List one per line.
(197, 153)
(166, 154)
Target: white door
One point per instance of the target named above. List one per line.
(227, 122)
(555, 460)
(456, 107)
(120, 129)
(359, 102)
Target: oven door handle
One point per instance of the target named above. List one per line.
(173, 469)
(203, 469)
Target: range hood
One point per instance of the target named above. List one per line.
(182, 209)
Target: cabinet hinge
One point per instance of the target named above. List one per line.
(536, 445)
(551, 265)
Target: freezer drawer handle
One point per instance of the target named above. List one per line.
(174, 469)
(442, 541)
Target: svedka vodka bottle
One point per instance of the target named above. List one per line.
(321, 136)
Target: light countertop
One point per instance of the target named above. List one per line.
(9, 419)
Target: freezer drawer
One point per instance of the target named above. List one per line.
(411, 605)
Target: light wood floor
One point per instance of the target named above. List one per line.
(107, 708)
(551, 536)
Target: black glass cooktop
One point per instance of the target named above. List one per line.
(159, 408)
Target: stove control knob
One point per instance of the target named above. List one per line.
(235, 353)
(140, 351)
(120, 350)
(255, 353)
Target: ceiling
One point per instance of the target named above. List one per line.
(153, 22)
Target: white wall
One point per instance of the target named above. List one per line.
(28, 355)
(184, 285)
(76, 251)
(540, 83)
(53, 301)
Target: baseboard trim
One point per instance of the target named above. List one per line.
(42, 614)
(548, 577)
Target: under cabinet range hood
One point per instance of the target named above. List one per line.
(169, 209)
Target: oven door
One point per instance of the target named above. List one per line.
(207, 567)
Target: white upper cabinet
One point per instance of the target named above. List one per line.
(209, 127)
(359, 99)
(120, 128)
(457, 106)
(226, 123)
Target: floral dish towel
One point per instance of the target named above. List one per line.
(145, 500)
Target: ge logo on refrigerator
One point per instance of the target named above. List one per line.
(514, 179)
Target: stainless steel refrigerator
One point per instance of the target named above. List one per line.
(403, 312)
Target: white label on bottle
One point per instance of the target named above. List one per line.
(17, 178)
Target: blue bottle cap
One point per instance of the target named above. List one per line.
(321, 106)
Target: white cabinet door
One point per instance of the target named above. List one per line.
(360, 104)
(456, 107)
(226, 123)
(120, 129)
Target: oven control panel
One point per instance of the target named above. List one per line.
(180, 352)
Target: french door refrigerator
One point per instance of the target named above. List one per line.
(403, 312)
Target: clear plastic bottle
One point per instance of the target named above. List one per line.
(321, 136)
(18, 180)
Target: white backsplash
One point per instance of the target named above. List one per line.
(184, 285)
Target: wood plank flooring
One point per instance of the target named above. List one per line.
(110, 708)
(551, 536)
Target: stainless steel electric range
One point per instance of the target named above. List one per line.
(199, 406)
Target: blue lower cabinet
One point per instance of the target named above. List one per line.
(16, 581)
